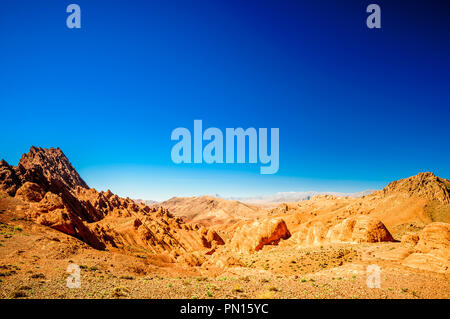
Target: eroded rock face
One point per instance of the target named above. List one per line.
(360, 229)
(51, 211)
(435, 236)
(56, 196)
(46, 166)
(252, 237)
(432, 251)
(30, 192)
(9, 181)
(310, 233)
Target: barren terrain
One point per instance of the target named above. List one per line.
(205, 247)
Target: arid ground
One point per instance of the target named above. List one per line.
(206, 247)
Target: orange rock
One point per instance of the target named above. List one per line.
(432, 249)
(252, 237)
(434, 236)
(30, 192)
(359, 229)
(9, 181)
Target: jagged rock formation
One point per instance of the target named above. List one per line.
(55, 195)
(252, 237)
(49, 168)
(30, 192)
(9, 181)
(359, 229)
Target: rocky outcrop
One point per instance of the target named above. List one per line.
(432, 251)
(47, 167)
(51, 211)
(310, 234)
(9, 181)
(56, 196)
(252, 237)
(30, 192)
(360, 229)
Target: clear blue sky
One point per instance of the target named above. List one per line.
(356, 108)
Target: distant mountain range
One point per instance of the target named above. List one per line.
(286, 197)
(277, 198)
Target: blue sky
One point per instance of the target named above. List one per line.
(357, 108)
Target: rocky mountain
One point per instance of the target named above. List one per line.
(423, 185)
(52, 193)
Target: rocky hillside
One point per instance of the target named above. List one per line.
(51, 193)
(407, 205)
(45, 189)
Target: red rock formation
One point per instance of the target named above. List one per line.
(58, 197)
(47, 166)
(30, 192)
(252, 237)
(9, 181)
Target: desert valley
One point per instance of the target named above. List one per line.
(208, 247)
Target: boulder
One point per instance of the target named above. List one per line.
(360, 229)
(252, 237)
(432, 251)
(30, 192)
(9, 181)
(433, 237)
